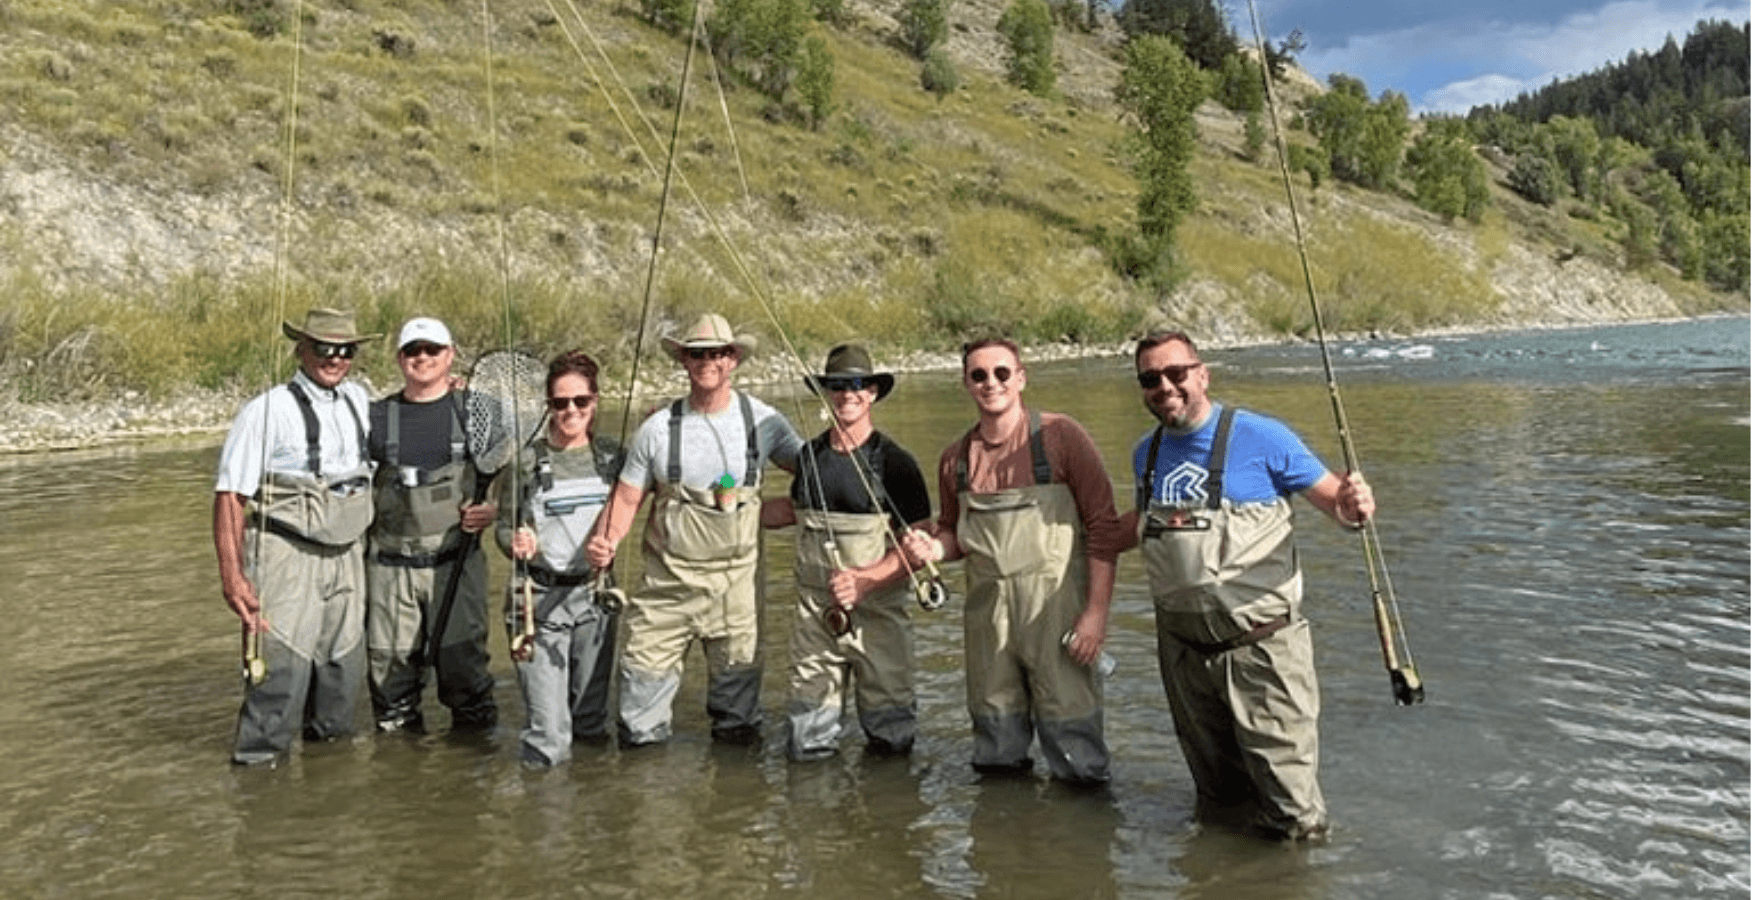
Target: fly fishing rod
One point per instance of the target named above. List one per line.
(1398, 659)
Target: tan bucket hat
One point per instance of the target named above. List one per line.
(331, 326)
(710, 330)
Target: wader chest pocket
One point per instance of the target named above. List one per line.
(1164, 520)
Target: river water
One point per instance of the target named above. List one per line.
(1566, 515)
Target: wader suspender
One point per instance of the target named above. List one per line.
(1038, 455)
(1215, 463)
(673, 467)
(393, 432)
(313, 448)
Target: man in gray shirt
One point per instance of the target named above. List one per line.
(702, 457)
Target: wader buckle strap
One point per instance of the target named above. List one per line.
(1040, 466)
(415, 560)
(752, 453)
(548, 579)
(1253, 636)
(1215, 463)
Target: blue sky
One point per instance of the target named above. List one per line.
(1450, 55)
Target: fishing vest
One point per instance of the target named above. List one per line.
(562, 511)
(711, 525)
(1222, 574)
(417, 508)
(1018, 531)
(332, 509)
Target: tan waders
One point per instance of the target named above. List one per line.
(1235, 656)
(701, 552)
(877, 652)
(1027, 579)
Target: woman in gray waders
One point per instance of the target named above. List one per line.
(560, 618)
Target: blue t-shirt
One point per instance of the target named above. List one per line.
(1265, 461)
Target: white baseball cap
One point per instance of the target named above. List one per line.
(426, 329)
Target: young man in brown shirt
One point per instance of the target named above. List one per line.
(1025, 501)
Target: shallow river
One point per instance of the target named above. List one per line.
(1565, 513)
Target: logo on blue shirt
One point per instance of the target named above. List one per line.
(1184, 485)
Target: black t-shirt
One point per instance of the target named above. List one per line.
(424, 440)
(827, 481)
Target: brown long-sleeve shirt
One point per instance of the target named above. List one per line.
(1074, 461)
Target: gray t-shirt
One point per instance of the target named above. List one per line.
(712, 446)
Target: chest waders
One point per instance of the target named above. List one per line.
(566, 680)
(1233, 650)
(1027, 578)
(701, 548)
(304, 558)
(415, 540)
(878, 653)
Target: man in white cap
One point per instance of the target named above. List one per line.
(703, 458)
(424, 492)
(291, 501)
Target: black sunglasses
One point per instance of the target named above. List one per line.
(847, 383)
(326, 350)
(583, 401)
(1177, 374)
(1001, 374)
(423, 348)
(699, 353)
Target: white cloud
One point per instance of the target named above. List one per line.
(1451, 66)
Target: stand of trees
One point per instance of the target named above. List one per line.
(1658, 145)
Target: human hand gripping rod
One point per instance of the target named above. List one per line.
(1398, 660)
(506, 387)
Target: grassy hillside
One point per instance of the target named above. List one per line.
(506, 175)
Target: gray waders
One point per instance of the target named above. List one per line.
(1235, 653)
(302, 552)
(566, 681)
(878, 653)
(1027, 578)
(702, 554)
(414, 546)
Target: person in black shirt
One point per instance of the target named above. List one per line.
(423, 489)
(854, 490)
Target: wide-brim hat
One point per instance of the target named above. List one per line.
(850, 361)
(331, 326)
(709, 331)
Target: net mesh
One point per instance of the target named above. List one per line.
(507, 390)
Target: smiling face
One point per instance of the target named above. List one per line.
(994, 395)
(571, 425)
(1177, 405)
(851, 407)
(425, 365)
(709, 368)
(324, 369)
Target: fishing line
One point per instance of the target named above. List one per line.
(1398, 658)
(755, 288)
(255, 668)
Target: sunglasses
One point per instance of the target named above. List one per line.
(583, 401)
(1177, 374)
(423, 348)
(326, 350)
(700, 353)
(1001, 374)
(847, 383)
